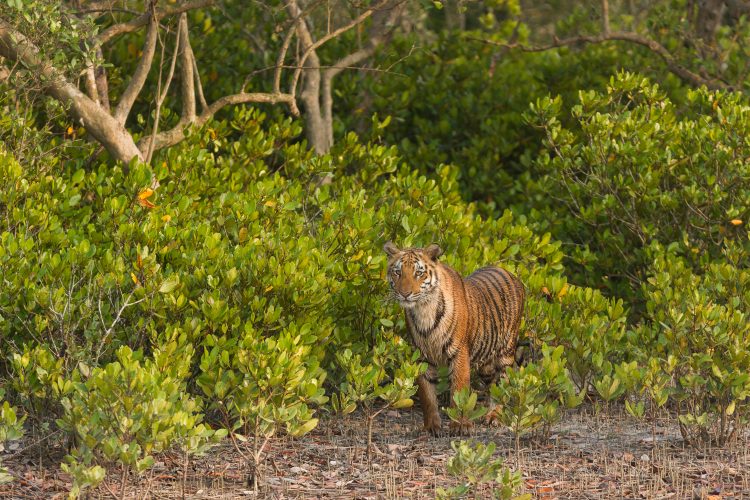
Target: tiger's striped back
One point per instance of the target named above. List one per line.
(495, 301)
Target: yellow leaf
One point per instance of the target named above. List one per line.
(243, 234)
(135, 279)
(269, 288)
(166, 218)
(69, 131)
(145, 203)
(269, 203)
(736, 222)
(563, 291)
(146, 193)
(140, 261)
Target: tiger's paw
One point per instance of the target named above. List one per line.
(433, 426)
(461, 427)
(492, 417)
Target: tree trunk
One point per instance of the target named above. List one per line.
(708, 20)
(319, 130)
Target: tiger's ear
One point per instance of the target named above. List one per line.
(391, 249)
(433, 251)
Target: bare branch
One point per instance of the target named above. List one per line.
(161, 95)
(296, 16)
(625, 36)
(382, 28)
(605, 16)
(102, 84)
(280, 59)
(141, 72)
(379, 34)
(176, 134)
(198, 84)
(187, 79)
(89, 78)
(310, 49)
(142, 20)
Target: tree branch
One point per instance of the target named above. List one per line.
(297, 14)
(102, 84)
(198, 83)
(141, 72)
(625, 36)
(176, 134)
(89, 78)
(605, 16)
(103, 127)
(161, 95)
(311, 47)
(142, 20)
(380, 31)
(187, 78)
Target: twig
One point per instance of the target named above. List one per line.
(333, 34)
(143, 19)
(623, 36)
(161, 95)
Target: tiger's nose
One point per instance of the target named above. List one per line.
(406, 295)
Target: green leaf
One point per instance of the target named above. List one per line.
(169, 284)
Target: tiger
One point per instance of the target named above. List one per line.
(454, 321)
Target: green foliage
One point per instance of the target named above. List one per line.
(477, 470)
(39, 380)
(368, 383)
(61, 38)
(465, 408)
(634, 169)
(124, 412)
(11, 429)
(590, 327)
(698, 332)
(259, 384)
(531, 395)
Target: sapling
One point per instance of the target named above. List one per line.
(464, 411)
(473, 464)
(366, 384)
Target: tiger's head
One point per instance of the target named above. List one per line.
(412, 273)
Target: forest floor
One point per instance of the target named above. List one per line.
(588, 455)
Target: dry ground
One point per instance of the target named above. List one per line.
(589, 455)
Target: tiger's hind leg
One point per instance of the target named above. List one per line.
(489, 374)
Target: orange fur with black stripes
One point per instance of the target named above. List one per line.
(460, 322)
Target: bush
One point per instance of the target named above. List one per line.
(128, 410)
(531, 396)
(696, 327)
(635, 169)
(474, 466)
(11, 429)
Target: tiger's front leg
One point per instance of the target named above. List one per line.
(460, 378)
(428, 396)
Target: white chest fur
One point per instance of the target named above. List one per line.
(429, 323)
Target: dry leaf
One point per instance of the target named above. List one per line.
(146, 193)
(145, 203)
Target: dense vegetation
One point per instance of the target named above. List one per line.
(235, 283)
